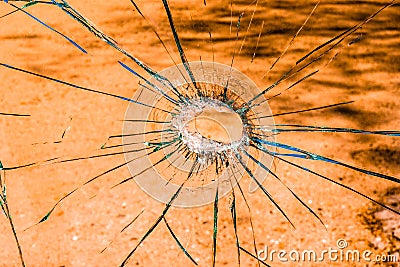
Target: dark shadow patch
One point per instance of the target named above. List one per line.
(333, 84)
(384, 156)
(21, 37)
(365, 119)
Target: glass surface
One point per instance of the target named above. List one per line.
(83, 81)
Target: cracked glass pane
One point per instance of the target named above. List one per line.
(194, 132)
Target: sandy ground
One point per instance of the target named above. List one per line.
(366, 72)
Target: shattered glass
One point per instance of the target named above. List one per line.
(98, 95)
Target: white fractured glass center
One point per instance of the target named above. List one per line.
(208, 126)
